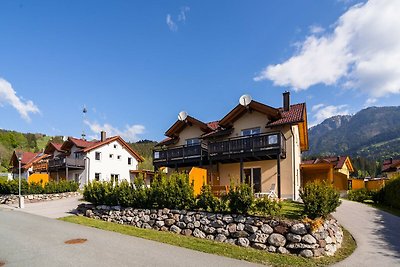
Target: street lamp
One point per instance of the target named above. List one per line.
(20, 197)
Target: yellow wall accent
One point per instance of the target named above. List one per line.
(37, 177)
(374, 184)
(357, 184)
(199, 177)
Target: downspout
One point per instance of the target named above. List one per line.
(88, 168)
(293, 165)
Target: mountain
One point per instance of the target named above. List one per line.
(372, 133)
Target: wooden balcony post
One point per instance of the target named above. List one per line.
(241, 170)
(278, 167)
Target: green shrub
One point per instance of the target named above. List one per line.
(12, 186)
(101, 193)
(390, 194)
(320, 199)
(142, 194)
(265, 206)
(173, 191)
(361, 195)
(240, 198)
(207, 201)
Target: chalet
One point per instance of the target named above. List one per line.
(333, 169)
(391, 168)
(253, 143)
(83, 161)
(27, 160)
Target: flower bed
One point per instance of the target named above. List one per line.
(278, 236)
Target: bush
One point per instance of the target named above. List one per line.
(240, 198)
(390, 194)
(361, 195)
(12, 186)
(101, 193)
(207, 201)
(320, 199)
(265, 206)
(173, 191)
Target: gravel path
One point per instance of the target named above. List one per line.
(376, 232)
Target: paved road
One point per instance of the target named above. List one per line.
(31, 240)
(377, 234)
(51, 209)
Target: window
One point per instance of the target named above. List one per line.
(111, 156)
(252, 131)
(115, 146)
(76, 177)
(129, 161)
(119, 157)
(97, 156)
(192, 141)
(97, 176)
(156, 154)
(77, 155)
(115, 178)
(273, 139)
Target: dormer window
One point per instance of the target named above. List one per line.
(192, 141)
(252, 131)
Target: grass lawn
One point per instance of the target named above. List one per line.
(292, 209)
(222, 249)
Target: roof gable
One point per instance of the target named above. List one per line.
(178, 126)
(239, 110)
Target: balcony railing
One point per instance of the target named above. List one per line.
(66, 162)
(40, 166)
(248, 144)
(180, 153)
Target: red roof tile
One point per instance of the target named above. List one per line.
(213, 124)
(294, 115)
(390, 165)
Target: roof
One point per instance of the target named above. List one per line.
(77, 142)
(337, 162)
(26, 158)
(293, 115)
(51, 147)
(179, 125)
(390, 165)
(239, 110)
(117, 138)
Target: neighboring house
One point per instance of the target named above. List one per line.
(83, 161)
(391, 168)
(333, 169)
(254, 143)
(27, 160)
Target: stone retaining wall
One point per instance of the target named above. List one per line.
(278, 236)
(10, 199)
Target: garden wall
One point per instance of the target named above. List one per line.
(10, 199)
(279, 236)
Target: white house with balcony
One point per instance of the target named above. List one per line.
(85, 161)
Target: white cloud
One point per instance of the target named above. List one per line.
(315, 29)
(171, 24)
(323, 112)
(370, 101)
(9, 96)
(182, 14)
(362, 52)
(130, 133)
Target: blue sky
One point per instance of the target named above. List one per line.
(136, 64)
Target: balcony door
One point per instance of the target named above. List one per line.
(252, 177)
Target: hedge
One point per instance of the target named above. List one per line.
(176, 192)
(12, 186)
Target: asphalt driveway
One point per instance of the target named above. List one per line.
(51, 209)
(31, 240)
(376, 232)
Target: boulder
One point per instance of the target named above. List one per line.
(309, 239)
(259, 238)
(306, 253)
(298, 228)
(277, 240)
(293, 237)
(266, 229)
(243, 242)
(259, 246)
(198, 233)
(220, 238)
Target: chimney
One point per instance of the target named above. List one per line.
(103, 136)
(286, 101)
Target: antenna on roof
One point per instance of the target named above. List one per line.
(84, 111)
(182, 115)
(245, 100)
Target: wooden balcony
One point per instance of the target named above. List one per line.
(180, 156)
(41, 166)
(248, 148)
(62, 163)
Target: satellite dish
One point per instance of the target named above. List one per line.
(245, 100)
(65, 138)
(182, 115)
